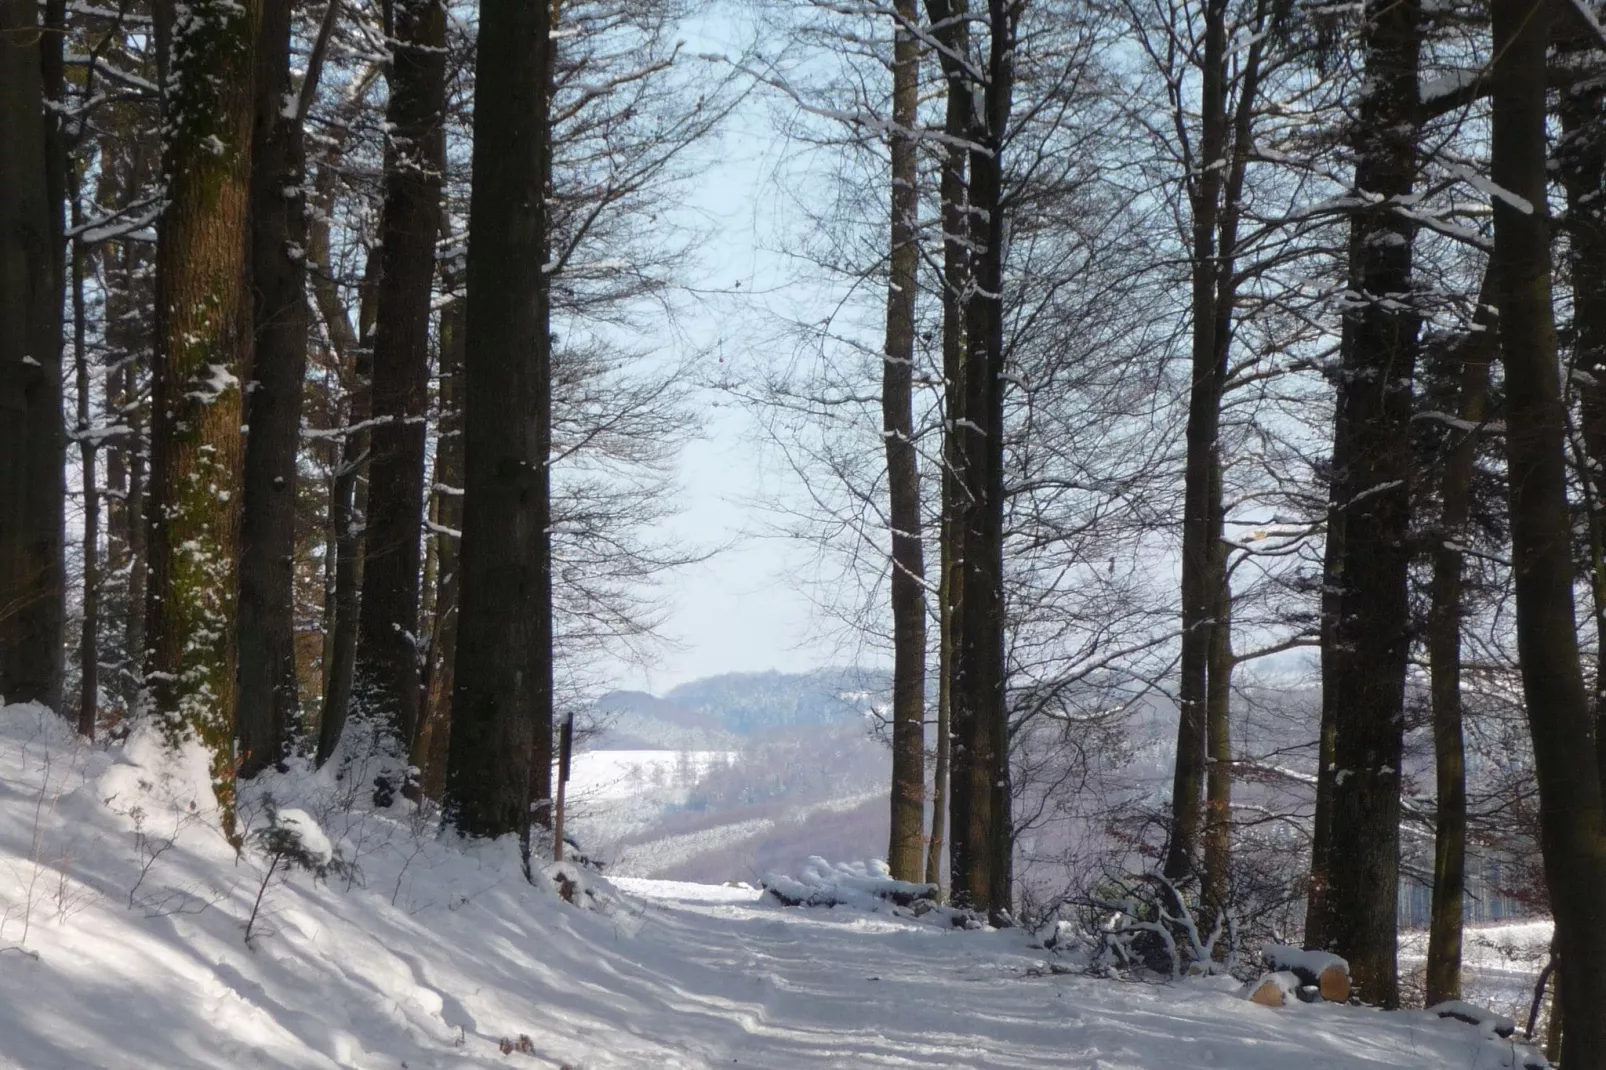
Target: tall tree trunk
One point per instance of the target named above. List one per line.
(1215, 195)
(430, 749)
(981, 873)
(1582, 158)
(129, 300)
(32, 438)
(955, 281)
(1444, 661)
(346, 510)
(1572, 823)
(501, 729)
(1327, 732)
(1200, 597)
(939, 774)
(138, 543)
(114, 387)
(203, 347)
(904, 852)
(89, 627)
(1215, 887)
(385, 682)
(135, 336)
(269, 692)
(347, 497)
(950, 28)
(1373, 625)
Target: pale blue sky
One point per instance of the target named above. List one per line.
(747, 609)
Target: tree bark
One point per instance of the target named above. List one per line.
(1327, 733)
(129, 300)
(347, 491)
(955, 281)
(951, 796)
(1373, 624)
(1215, 195)
(89, 627)
(982, 830)
(1581, 155)
(127, 283)
(1215, 886)
(386, 677)
(500, 754)
(1201, 504)
(138, 544)
(430, 750)
(905, 851)
(32, 438)
(939, 774)
(269, 693)
(347, 506)
(1572, 824)
(203, 347)
(1444, 660)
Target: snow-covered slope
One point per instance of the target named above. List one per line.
(124, 916)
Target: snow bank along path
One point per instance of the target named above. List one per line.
(123, 918)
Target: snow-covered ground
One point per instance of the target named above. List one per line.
(123, 912)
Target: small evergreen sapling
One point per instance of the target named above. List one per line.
(292, 841)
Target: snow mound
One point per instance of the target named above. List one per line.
(1487, 1021)
(311, 843)
(1307, 964)
(585, 888)
(863, 885)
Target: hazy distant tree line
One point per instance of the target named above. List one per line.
(1197, 334)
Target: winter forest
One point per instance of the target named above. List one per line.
(1209, 387)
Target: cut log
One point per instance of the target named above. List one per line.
(1273, 989)
(1333, 984)
(1326, 972)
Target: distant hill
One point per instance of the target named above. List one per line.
(747, 703)
(636, 720)
(716, 712)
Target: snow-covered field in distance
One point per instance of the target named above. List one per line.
(732, 776)
(123, 913)
(1499, 964)
(622, 774)
(614, 794)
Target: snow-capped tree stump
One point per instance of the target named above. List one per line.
(1327, 973)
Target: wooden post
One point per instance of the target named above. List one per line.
(565, 747)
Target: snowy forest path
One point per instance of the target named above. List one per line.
(793, 988)
(123, 909)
